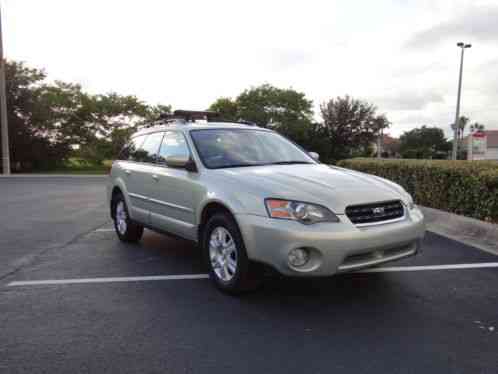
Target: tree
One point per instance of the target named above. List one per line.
(112, 120)
(47, 119)
(424, 142)
(462, 123)
(268, 105)
(33, 142)
(476, 127)
(349, 128)
(227, 108)
(284, 110)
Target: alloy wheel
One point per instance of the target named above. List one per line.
(223, 254)
(121, 218)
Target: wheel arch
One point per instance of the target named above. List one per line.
(118, 187)
(116, 190)
(208, 210)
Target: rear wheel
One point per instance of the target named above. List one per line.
(226, 256)
(126, 229)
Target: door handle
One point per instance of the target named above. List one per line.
(128, 172)
(155, 177)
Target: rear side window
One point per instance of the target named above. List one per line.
(150, 147)
(129, 151)
(173, 144)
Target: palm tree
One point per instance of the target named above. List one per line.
(476, 127)
(462, 122)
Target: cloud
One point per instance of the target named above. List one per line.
(407, 100)
(472, 25)
(283, 59)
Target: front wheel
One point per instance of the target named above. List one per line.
(226, 256)
(126, 229)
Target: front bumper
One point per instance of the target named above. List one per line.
(333, 247)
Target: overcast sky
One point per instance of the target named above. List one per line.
(400, 55)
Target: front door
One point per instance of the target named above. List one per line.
(173, 190)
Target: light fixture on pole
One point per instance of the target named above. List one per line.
(463, 46)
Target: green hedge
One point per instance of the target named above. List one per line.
(469, 188)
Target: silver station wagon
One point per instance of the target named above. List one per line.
(252, 199)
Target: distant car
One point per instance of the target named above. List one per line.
(248, 196)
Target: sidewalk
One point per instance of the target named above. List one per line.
(470, 231)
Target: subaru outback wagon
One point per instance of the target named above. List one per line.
(249, 197)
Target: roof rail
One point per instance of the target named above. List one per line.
(248, 123)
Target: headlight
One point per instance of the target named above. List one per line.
(298, 211)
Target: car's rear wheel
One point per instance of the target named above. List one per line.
(226, 256)
(126, 229)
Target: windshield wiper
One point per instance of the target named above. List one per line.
(288, 163)
(236, 166)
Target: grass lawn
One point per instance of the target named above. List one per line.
(78, 166)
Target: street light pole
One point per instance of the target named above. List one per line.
(3, 110)
(457, 115)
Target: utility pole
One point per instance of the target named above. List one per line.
(463, 46)
(3, 110)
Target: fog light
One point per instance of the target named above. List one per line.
(298, 257)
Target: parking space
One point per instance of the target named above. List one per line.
(134, 314)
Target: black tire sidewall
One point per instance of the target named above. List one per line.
(239, 281)
(133, 231)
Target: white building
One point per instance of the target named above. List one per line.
(482, 145)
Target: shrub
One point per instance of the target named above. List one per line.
(468, 188)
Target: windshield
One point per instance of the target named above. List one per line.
(223, 148)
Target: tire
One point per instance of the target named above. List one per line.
(127, 230)
(226, 257)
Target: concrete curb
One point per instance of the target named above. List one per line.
(54, 176)
(470, 231)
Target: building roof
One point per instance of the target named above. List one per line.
(388, 140)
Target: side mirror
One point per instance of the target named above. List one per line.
(315, 156)
(181, 162)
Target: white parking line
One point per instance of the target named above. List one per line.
(109, 280)
(205, 276)
(104, 230)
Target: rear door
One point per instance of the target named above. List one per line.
(138, 174)
(130, 166)
(173, 190)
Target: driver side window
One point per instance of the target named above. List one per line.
(173, 144)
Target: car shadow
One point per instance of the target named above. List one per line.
(165, 255)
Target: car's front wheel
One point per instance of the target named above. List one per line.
(126, 229)
(226, 256)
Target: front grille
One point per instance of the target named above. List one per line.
(375, 212)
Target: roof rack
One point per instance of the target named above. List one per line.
(189, 115)
(184, 116)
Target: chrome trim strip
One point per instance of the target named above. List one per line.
(171, 220)
(137, 196)
(383, 222)
(170, 205)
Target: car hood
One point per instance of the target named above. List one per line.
(335, 188)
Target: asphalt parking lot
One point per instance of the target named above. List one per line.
(118, 308)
